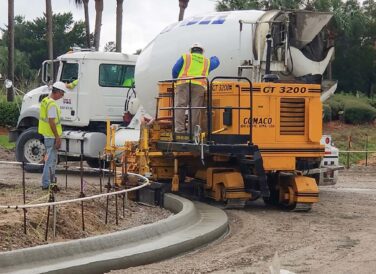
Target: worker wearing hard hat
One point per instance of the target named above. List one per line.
(71, 85)
(50, 127)
(193, 64)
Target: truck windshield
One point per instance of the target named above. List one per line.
(113, 75)
(69, 73)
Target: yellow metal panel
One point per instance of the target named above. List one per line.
(315, 120)
(230, 179)
(279, 163)
(306, 190)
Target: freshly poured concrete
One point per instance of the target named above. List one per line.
(193, 225)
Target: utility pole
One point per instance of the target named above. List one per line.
(183, 4)
(50, 37)
(10, 76)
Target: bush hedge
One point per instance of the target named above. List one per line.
(360, 109)
(359, 113)
(9, 113)
(337, 104)
(327, 111)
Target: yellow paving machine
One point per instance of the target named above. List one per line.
(256, 140)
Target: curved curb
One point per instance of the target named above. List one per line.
(194, 225)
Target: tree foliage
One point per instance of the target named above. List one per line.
(110, 46)
(30, 37)
(354, 26)
(22, 68)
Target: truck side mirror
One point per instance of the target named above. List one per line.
(46, 71)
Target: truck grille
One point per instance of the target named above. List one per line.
(292, 116)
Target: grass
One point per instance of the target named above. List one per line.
(4, 142)
(359, 133)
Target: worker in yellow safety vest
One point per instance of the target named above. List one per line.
(50, 127)
(193, 64)
(71, 85)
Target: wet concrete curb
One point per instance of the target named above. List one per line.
(193, 225)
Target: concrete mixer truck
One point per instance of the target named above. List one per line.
(301, 48)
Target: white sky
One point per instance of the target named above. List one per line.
(142, 19)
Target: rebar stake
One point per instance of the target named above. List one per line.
(116, 210)
(50, 200)
(101, 172)
(83, 218)
(124, 205)
(24, 194)
(66, 163)
(47, 223)
(366, 149)
(108, 190)
(82, 194)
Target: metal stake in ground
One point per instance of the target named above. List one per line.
(82, 183)
(116, 198)
(366, 149)
(116, 210)
(101, 172)
(24, 194)
(108, 190)
(50, 200)
(66, 163)
(124, 204)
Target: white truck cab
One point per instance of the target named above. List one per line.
(104, 83)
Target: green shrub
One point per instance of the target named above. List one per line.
(359, 113)
(9, 113)
(327, 111)
(372, 103)
(337, 105)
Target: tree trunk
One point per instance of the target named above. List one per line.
(98, 22)
(182, 5)
(49, 36)
(10, 76)
(119, 23)
(87, 22)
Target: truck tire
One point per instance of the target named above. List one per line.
(30, 149)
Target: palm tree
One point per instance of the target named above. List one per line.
(98, 22)
(10, 76)
(49, 35)
(119, 23)
(85, 3)
(182, 5)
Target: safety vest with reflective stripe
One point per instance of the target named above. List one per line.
(73, 84)
(43, 126)
(194, 65)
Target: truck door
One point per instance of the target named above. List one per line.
(68, 104)
(114, 81)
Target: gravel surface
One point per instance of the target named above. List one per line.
(337, 236)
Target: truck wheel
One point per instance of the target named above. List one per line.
(30, 149)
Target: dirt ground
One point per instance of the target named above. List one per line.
(337, 236)
(69, 217)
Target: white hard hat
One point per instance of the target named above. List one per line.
(197, 45)
(60, 86)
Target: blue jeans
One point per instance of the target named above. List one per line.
(50, 162)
